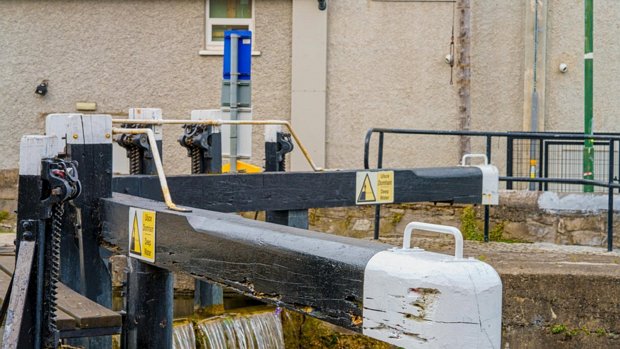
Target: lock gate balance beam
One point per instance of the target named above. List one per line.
(303, 190)
(361, 285)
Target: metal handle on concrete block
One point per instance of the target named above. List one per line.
(436, 228)
(469, 156)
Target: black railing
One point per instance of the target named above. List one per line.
(529, 160)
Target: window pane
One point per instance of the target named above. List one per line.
(217, 31)
(230, 8)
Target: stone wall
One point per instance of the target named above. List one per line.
(8, 190)
(570, 219)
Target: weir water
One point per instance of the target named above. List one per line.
(236, 331)
(184, 337)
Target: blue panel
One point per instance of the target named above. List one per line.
(245, 54)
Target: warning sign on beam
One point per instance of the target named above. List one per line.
(374, 187)
(142, 234)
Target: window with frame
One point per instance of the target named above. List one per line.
(222, 15)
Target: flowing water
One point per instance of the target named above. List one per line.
(183, 337)
(249, 331)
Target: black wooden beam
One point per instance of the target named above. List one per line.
(316, 273)
(303, 190)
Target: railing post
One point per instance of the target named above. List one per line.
(546, 166)
(487, 215)
(615, 169)
(509, 158)
(610, 199)
(378, 207)
(541, 161)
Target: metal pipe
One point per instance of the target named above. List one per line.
(487, 215)
(561, 181)
(158, 165)
(588, 146)
(534, 107)
(234, 82)
(515, 135)
(610, 199)
(378, 207)
(227, 122)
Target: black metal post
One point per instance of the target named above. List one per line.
(546, 166)
(615, 169)
(610, 199)
(541, 160)
(486, 207)
(378, 207)
(509, 159)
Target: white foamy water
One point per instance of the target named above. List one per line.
(254, 331)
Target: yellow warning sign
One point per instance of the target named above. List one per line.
(374, 187)
(142, 234)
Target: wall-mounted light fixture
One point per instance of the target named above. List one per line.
(322, 5)
(41, 89)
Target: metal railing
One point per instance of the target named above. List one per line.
(536, 149)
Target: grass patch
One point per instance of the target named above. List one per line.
(559, 328)
(473, 228)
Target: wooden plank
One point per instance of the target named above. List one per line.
(13, 336)
(316, 273)
(92, 314)
(86, 313)
(272, 191)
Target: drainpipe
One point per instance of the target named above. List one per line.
(464, 74)
(588, 146)
(534, 108)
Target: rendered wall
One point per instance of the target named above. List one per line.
(385, 67)
(123, 54)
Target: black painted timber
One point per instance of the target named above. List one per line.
(303, 190)
(316, 273)
(95, 173)
(30, 218)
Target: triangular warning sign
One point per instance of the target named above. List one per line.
(367, 194)
(136, 245)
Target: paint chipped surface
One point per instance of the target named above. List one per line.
(429, 300)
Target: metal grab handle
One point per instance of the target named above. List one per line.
(469, 156)
(436, 228)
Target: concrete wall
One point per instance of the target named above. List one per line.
(385, 67)
(123, 54)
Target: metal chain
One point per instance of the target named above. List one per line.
(53, 272)
(195, 156)
(135, 166)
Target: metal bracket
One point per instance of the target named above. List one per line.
(60, 183)
(285, 145)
